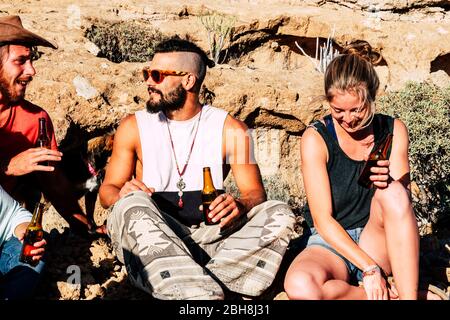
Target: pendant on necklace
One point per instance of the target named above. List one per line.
(180, 185)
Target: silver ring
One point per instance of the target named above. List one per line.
(224, 196)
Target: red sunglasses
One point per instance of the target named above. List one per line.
(159, 75)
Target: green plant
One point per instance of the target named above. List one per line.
(425, 109)
(131, 41)
(219, 29)
(324, 54)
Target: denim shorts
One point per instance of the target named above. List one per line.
(315, 239)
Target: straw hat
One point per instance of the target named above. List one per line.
(12, 32)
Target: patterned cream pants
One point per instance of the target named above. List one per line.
(172, 261)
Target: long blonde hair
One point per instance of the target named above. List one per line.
(353, 71)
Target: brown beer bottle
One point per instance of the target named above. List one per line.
(34, 233)
(209, 193)
(379, 153)
(43, 141)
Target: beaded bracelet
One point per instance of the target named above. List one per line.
(371, 270)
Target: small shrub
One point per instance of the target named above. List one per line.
(218, 29)
(130, 41)
(324, 53)
(425, 109)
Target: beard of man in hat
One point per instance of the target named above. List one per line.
(23, 171)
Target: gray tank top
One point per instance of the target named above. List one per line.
(350, 201)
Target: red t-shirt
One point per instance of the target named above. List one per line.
(20, 133)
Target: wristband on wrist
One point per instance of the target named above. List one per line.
(371, 270)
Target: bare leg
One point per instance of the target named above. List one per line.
(342, 290)
(391, 238)
(317, 273)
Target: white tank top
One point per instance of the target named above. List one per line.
(158, 161)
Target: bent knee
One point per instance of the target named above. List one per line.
(280, 211)
(302, 286)
(393, 200)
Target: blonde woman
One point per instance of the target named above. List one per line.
(356, 233)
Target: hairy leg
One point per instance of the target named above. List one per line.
(391, 238)
(317, 273)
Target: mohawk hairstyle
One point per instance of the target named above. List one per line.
(181, 45)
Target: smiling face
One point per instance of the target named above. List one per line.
(351, 85)
(349, 110)
(16, 71)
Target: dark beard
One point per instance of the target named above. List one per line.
(4, 88)
(173, 101)
(5, 92)
(7, 95)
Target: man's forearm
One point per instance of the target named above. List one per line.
(250, 200)
(108, 195)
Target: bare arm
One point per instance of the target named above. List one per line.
(399, 160)
(237, 149)
(119, 172)
(318, 192)
(397, 167)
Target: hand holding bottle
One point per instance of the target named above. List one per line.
(31, 160)
(216, 206)
(376, 162)
(224, 209)
(33, 236)
(39, 158)
(380, 174)
(39, 250)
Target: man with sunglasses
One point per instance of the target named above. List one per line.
(22, 171)
(154, 180)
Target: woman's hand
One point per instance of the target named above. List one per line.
(375, 284)
(380, 174)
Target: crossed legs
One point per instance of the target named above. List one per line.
(163, 256)
(390, 237)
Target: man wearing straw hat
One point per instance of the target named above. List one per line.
(23, 169)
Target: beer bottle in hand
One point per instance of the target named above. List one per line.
(379, 153)
(43, 141)
(34, 233)
(209, 193)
